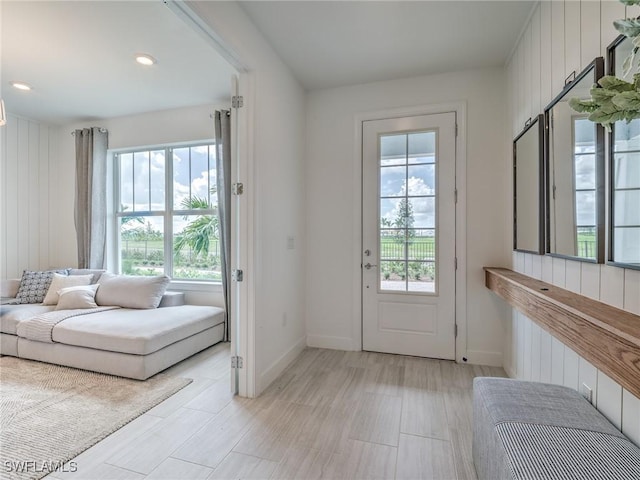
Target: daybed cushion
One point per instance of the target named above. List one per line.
(11, 315)
(136, 331)
(130, 291)
(139, 367)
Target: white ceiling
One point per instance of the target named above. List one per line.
(335, 43)
(78, 55)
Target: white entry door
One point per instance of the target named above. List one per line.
(408, 222)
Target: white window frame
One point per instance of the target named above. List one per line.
(168, 213)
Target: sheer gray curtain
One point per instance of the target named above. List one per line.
(91, 196)
(223, 166)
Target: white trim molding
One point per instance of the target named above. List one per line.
(332, 343)
(460, 109)
(276, 368)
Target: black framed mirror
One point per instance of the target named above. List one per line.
(574, 174)
(528, 192)
(624, 174)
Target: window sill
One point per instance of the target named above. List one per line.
(194, 286)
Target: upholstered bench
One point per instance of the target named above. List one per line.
(530, 430)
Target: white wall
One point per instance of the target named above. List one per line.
(277, 190)
(331, 293)
(563, 36)
(27, 159)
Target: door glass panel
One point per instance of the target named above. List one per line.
(407, 216)
(422, 179)
(393, 150)
(422, 212)
(392, 180)
(422, 147)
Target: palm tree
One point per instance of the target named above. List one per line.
(198, 233)
(126, 221)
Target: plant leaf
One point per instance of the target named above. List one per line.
(627, 100)
(628, 27)
(602, 95)
(614, 83)
(583, 106)
(628, 63)
(630, 3)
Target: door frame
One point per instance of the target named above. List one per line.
(460, 109)
(242, 172)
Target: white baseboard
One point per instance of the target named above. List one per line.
(332, 343)
(277, 367)
(510, 372)
(492, 359)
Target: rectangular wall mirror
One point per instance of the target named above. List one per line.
(624, 175)
(528, 195)
(574, 170)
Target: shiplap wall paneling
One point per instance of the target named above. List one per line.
(527, 72)
(609, 11)
(11, 194)
(631, 416)
(22, 199)
(3, 200)
(557, 50)
(559, 272)
(547, 269)
(573, 276)
(44, 240)
(589, 22)
(546, 84)
(609, 399)
(535, 63)
(535, 351)
(34, 184)
(25, 211)
(612, 286)
(590, 280)
(572, 41)
(632, 291)
(545, 356)
(521, 94)
(557, 361)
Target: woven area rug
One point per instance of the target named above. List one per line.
(50, 414)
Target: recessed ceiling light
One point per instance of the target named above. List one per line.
(21, 85)
(145, 59)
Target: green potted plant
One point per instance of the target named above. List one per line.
(614, 99)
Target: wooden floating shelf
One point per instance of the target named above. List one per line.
(606, 336)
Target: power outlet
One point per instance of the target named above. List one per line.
(587, 392)
(284, 319)
(291, 243)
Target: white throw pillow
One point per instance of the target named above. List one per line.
(129, 291)
(63, 281)
(72, 298)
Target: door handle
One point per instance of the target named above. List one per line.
(368, 266)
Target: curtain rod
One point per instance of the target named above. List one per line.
(101, 130)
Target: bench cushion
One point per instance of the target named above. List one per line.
(530, 430)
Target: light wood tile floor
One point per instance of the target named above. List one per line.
(330, 415)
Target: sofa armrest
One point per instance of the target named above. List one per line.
(9, 287)
(172, 299)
